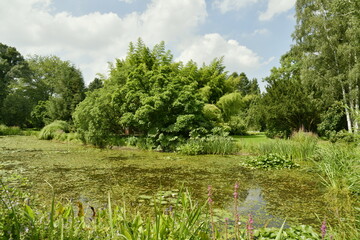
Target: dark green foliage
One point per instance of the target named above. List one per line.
(13, 70)
(271, 161)
(343, 136)
(95, 84)
(333, 120)
(288, 104)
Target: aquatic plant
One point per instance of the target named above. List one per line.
(270, 161)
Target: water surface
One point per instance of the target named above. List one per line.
(87, 174)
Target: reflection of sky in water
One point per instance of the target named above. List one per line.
(255, 205)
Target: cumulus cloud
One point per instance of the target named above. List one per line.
(229, 5)
(92, 40)
(275, 7)
(236, 57)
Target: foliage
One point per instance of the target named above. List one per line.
(95, 84)
(210, 144)
(271, 161)
(95, 118)
(288, 104)
(4, 130)
(13, 70)
(184, 219)
(59, 84)
(298, 232)
(230, 104)
(237, 125)
(340, 171)
(301, 145)
(150, 95)
(327, 41)
(54, 130)
(333, 120)
(343, 136)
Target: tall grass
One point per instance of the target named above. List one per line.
(58, 130)
(339, 167)
(55, 128)
(301, 146)
(212, 144)
(5, 130)
(184, 220)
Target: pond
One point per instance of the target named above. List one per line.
(136, 177)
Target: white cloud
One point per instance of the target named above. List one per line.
(231, 5)
(127, 1)
(92, 40)
(236, 57)
(257, 32)
(275, 7)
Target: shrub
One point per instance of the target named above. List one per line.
(343, 136)
(5, 130)
(54, 130)
(237, 125)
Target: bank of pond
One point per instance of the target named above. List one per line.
(269, 189)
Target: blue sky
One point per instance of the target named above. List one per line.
(250, 34)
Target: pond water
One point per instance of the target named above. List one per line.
(137, 177)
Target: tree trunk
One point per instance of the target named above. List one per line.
(347, 113)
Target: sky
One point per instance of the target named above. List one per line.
(251, 35)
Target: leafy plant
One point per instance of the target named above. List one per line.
(271, 161)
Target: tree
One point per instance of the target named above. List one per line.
(13, 70)
(288, 103)
(95, 84)
(327, 38)
(149, 94)
(58, 83)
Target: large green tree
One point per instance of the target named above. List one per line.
(58, 83)
(13, 71)
(327, 38)
(149, 94)
(289, 103)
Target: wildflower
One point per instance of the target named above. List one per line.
(323, 229)
(236, 196)
(249, 227)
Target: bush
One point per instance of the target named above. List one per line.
(5, 130)
(343, 136)
(54, 130)
(237, 125)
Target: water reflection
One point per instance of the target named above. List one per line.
(256, 205)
